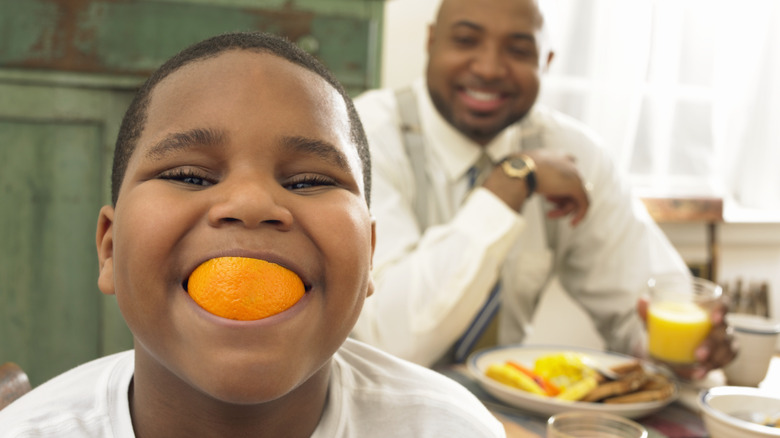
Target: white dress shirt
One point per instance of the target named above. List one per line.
(432, 279)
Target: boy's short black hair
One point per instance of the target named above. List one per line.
(135, 117)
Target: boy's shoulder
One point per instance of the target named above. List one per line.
(377, 394)
(88, 400)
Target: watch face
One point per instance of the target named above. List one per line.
(517, 163)
(516, 167)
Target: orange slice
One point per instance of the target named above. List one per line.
(244, 289)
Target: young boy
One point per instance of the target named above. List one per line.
(242, 145)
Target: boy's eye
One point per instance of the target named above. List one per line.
(187, 176)
(305, 182)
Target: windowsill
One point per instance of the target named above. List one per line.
(684, 209)
(737, 214)
(702, 206)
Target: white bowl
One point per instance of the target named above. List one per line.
(720, 404)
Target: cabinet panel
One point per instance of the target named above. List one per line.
(51, 192)
(55, 151)
(134, 37)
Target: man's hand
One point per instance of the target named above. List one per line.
(557, 179)
(717, 350)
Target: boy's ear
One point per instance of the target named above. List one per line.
(371, 266)
(104, 239)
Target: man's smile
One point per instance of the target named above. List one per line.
(482, 101)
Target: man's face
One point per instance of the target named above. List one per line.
(485, 58)
(244, 154)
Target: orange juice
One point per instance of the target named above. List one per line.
(675, 329)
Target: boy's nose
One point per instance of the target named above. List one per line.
(251, 204)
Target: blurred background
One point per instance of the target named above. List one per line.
(681, 91)
(683, 94)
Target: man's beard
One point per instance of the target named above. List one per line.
(481, 135)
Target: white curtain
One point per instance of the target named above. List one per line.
(682, 91)
(747, 102)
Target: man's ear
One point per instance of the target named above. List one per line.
(431, 30)
(104, 239)
(373, 247)
(550, 57)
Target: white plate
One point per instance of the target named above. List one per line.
(479, 361)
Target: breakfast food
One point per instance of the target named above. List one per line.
(244, 289)
(509, 375)
(576, 381)
(657, 387)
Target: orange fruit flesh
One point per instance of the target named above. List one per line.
(244, 289)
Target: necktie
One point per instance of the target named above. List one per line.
(482, 329)
(480, 170)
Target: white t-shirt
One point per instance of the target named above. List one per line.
(432, 279)
(371, 394)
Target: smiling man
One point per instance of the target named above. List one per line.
(485, 65)
(482, 197)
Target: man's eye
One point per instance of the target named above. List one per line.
(464, 40)
(523, 51)
(309, 181)
(186, 176)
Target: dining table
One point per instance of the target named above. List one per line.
(679, 419)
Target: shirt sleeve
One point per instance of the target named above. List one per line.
(612, 254)
(429, 284)
(428, 291)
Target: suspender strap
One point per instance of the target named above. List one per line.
(413, 142)
(532, 141)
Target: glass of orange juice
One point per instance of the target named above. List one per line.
(678, 316)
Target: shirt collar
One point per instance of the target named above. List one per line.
(453, 150)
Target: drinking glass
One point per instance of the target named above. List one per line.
(575, 424)
(678, 316)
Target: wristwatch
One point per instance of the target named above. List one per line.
(521, 167)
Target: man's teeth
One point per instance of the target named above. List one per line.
(481, 95)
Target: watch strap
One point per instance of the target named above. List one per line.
(530, 179)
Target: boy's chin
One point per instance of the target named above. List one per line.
(236, 389)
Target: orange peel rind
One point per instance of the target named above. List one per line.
(243, 288)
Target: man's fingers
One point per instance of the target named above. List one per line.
(641, 307)
(718, 314)
(567, 206)
(579, 216)
(559, 212)
(720, 347)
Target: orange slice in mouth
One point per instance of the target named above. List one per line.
(244, 289)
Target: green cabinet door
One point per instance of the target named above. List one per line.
(55, 149)
(134, 37)
(68, 70)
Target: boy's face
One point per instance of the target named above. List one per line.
(244, 154)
